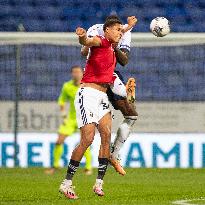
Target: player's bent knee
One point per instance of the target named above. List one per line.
(130, 110)
(130, 120)
(126, 108)
(132, 113)
(133, 117)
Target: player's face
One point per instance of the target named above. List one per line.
(115, 33)
(77, 74)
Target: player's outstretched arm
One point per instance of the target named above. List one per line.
(85, 41)
(131, 21)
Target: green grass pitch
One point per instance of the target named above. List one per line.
(139, 187)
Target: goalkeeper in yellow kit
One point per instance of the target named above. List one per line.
(69, 125)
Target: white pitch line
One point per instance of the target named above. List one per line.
(186, 202)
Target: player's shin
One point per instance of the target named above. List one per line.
(72, 168)
(103, 163)
(104, 128)
(122, 135)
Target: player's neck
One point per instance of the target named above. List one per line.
(76, 82)
(107, 36)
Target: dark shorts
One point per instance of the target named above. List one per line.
(113, 97)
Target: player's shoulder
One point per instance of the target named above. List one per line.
(68, 84)
(95, 30)
(96, 26)
(104, 41)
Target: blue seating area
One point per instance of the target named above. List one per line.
(66, 15)
(162, 73)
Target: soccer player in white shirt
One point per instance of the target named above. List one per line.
(122, 97)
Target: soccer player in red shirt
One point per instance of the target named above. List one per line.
(91, 102)
(121, 96)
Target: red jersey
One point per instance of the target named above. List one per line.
(101, 63)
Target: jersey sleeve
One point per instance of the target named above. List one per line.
(92, 31)
(125, 41)
(63, 98)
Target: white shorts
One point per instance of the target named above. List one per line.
(91, 105)
(118, 87)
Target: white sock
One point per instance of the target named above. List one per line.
(123, 133)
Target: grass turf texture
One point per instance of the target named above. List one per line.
(139, 187)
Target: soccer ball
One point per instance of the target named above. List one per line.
(160, 26)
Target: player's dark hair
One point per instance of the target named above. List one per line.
(112, 17)
(75, 66)
(111, 22)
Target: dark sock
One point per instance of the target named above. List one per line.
(103, 163)
(72, 168)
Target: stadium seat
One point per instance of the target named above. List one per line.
(180, 12)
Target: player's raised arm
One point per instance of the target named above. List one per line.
(86, 41)
(131, 22)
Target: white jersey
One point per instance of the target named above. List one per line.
(97, 30)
